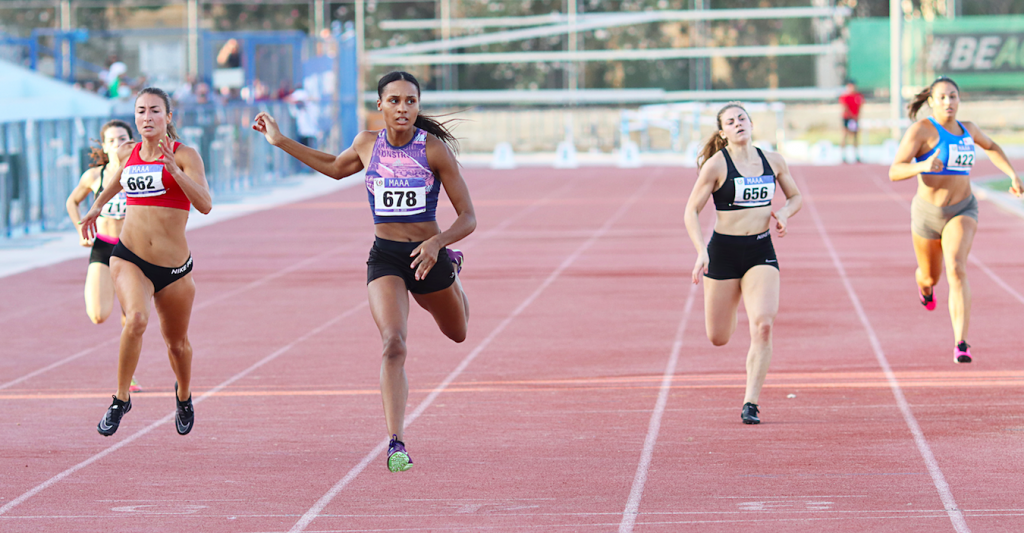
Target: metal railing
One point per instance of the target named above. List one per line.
(42, 161)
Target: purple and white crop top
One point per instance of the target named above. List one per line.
(399, 183)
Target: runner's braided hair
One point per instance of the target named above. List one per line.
(98, 156)
(716, 143)
(171, 131)
(423, 122)
(920, 98)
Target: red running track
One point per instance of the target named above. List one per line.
(586, 397)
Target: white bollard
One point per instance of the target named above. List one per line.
(565, 157)
(629, 155)
(504, 157)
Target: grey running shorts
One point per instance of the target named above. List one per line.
(927, 220)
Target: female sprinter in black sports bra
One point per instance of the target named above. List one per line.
(99, 287)
(406, 163)
(740, 260)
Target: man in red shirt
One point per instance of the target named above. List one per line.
(851, 101)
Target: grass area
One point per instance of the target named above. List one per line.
(996, 184)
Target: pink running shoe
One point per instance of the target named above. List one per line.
(927, 301)
(962, 353)
(134, 387)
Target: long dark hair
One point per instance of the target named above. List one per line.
(171, 132)
(717, 142)
(98, 156)
(920, 98)
(423, 122)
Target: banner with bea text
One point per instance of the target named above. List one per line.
(983, 54)
(980, 53)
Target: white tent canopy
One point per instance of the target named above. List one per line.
(28, 95)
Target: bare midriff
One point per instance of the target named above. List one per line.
(944, 189)
(407, 231)
(156, 234)
(753, 221)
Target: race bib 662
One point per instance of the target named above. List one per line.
(139, 181)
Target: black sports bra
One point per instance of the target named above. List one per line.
(745, 192)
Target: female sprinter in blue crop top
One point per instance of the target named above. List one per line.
(939, 151)
(740, 260)
(406, 163)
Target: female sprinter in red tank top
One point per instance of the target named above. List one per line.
(740, 259)
(162, 179)
(99, 288)
(939, 152)
(406, 163)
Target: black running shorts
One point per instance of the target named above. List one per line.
(391, 258)
(731, 256)
(160, 276)
(101, 251)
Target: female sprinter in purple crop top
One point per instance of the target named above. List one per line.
(406, 163)
(740, 259)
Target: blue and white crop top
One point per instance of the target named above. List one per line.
(955, 151)
(745, 192)
(399, 183)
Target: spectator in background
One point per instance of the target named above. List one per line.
(306, 113)
(230, 55)
(201, 93)
(115, 80)
(185, 93)
(851, 101)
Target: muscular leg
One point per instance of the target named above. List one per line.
(389, 305)
(174, 306)
(929, 262)
(135, 291)
(99, 293)
(957, 238)
(450, 309)
(721, 300)
(760, 287)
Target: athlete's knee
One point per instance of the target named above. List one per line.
(761, 329)
(956, 270)
(394, 347)
(97, 316)
(135, 323)
(718, 337)
(457, 334)
(178, 348)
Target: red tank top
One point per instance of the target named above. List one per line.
(149, 183)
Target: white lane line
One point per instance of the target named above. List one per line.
(262, 281)
(135, 436)
(50, 482)
(197, 308)
(945, 494)
(319, 506)
(972, 257)
(640, 480)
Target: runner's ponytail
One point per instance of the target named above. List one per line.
(98, 156)
(920, 98)
(426, 123)
(717, 142)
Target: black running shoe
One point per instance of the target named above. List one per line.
(749, 414)
(184, 415)
(108, 424)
